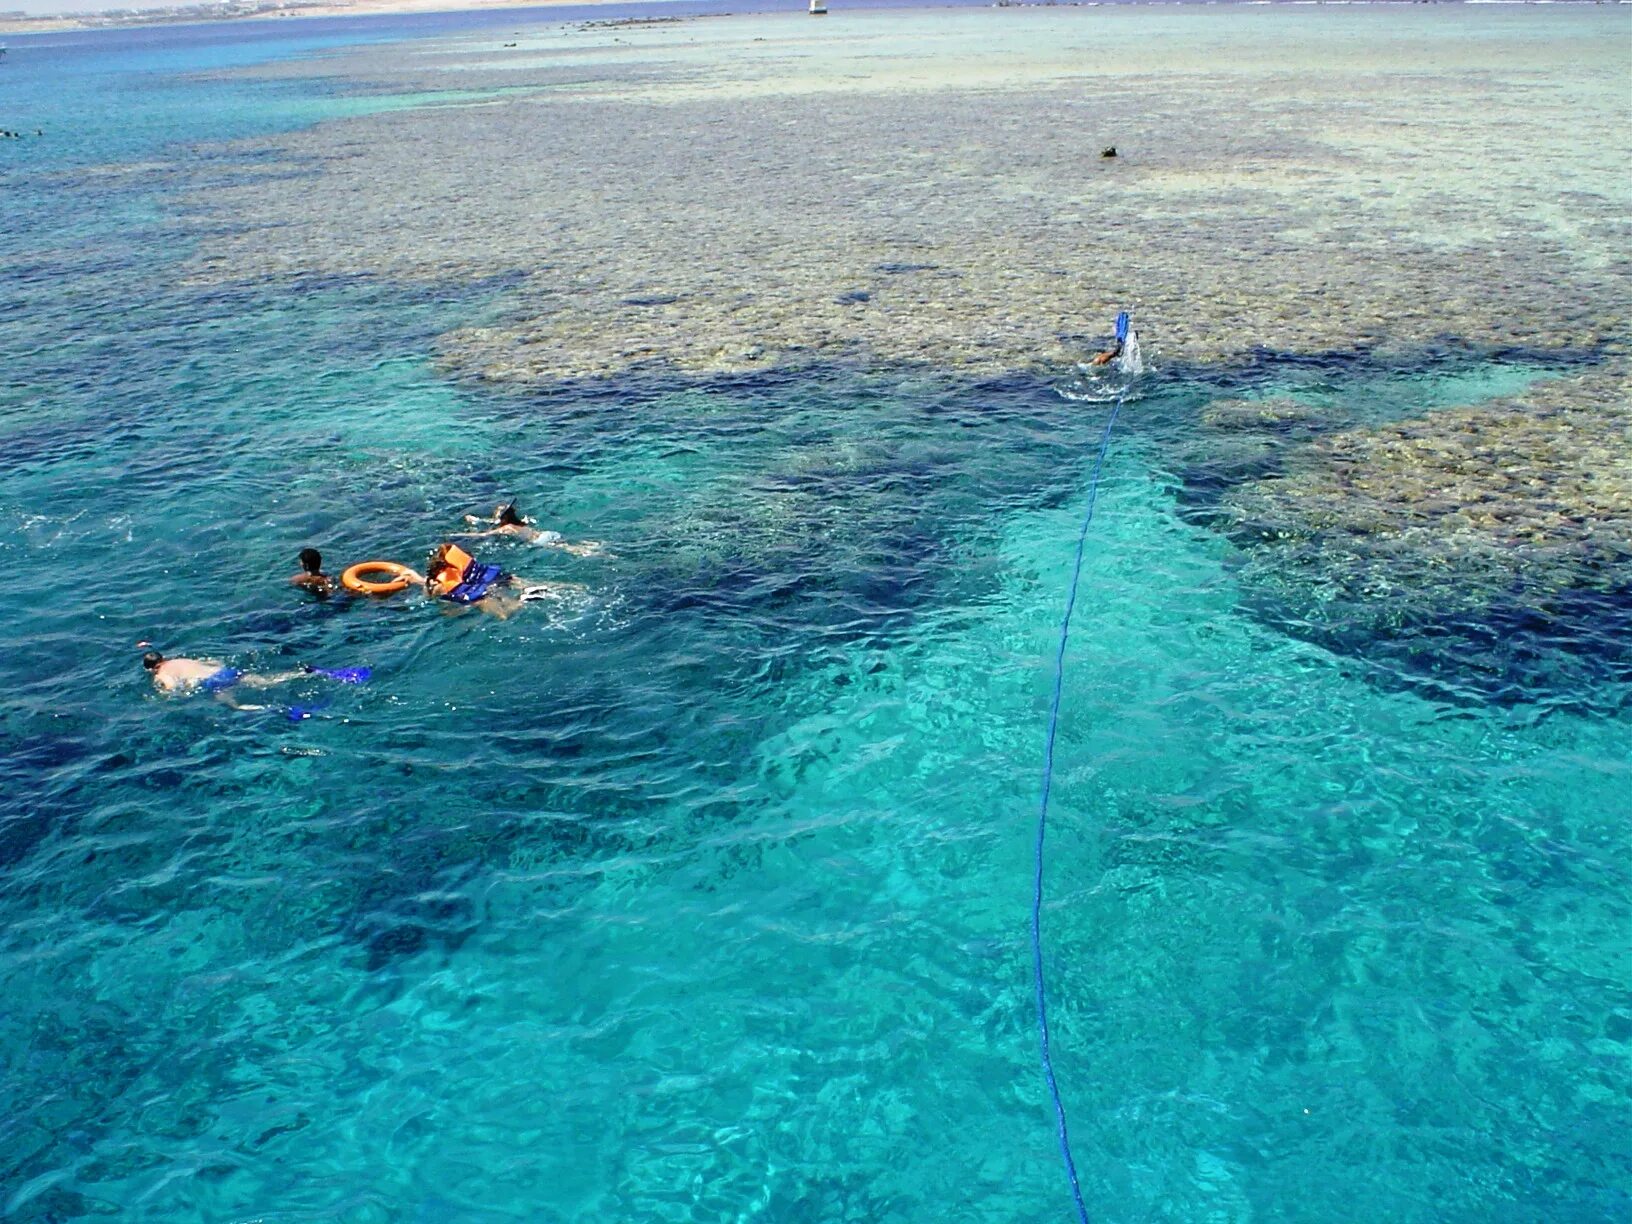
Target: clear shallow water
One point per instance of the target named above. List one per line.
(707, 901)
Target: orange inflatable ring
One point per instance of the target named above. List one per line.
(401, 577)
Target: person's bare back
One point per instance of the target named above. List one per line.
(312, 578)
(180, 675)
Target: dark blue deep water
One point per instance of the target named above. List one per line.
(704, 898)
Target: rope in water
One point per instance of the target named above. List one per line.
(1042, 814)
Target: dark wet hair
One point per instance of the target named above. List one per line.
(508, 517)
(152, 659)
(311, 561)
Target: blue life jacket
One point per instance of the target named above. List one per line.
(475, 582)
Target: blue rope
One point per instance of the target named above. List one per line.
(1042, 815)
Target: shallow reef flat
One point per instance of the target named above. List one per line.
(735, 193)
(1509, 521)
(1524, 488)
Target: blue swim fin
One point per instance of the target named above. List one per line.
(1122, 327)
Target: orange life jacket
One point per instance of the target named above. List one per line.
(447, 569)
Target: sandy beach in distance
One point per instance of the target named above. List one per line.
(369, 8)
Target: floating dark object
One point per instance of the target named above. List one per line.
(1108, 151)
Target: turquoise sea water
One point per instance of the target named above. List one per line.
(707, 900)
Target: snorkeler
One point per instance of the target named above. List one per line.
(179, 675)
(312, 578)
(1112, 353)
(454, 575)
(508, 521)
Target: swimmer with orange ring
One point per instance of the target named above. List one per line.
(312, 579)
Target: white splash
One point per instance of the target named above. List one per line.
(1129, 363)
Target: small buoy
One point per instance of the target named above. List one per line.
(1108, 151)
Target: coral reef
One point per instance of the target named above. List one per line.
(1511, 511)
(1277, 413)
(744, 193)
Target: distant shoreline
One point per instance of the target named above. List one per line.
(264, 10)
